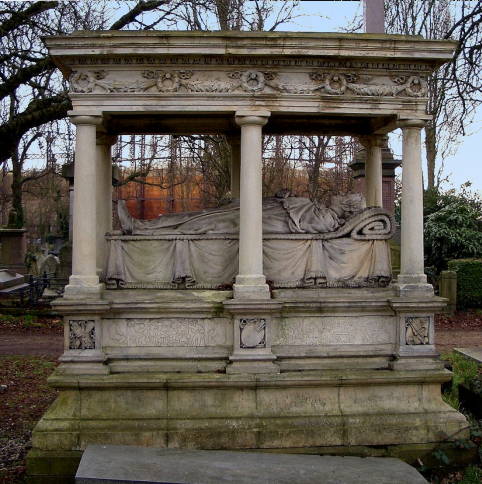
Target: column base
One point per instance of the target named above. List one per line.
(84, 286)
(83, 362)
(244, 291)
(413, 285)
(251, 287)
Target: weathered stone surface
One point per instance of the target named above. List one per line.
(351, 329)
(126, 464)
(270, 411)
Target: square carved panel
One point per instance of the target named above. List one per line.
(82, 334)
(252, 333)
(417, 330)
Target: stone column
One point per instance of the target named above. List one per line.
(412, 278)
(71, 213)
(84, 280)
(250, 281)
(235, 144)
(373, 169)
(104, 194)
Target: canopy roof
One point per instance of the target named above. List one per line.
(194, 82)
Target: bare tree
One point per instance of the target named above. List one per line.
(235, 14)
(32, 92)
(455, 89)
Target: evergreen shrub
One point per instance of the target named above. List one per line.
(469, 281)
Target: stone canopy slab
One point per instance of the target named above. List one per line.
(312, 83)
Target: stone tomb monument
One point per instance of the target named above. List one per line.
(333, 354)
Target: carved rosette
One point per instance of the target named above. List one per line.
(417, 330)
(319, 82)
(252, 333)
(82, 334)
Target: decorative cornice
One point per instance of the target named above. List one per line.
(293, 44)
(249, 81)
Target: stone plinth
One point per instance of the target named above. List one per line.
(152, 368)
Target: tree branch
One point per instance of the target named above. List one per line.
(24, 74)
(21, 17)
(38, 112)
(142, 6)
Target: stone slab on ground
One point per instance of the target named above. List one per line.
(472, 353)
(128, 464)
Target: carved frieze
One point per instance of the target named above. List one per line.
(417, 330)
(250, 81)
(82, 334)
(309, 331)
(95, 81)
(252, 333)
(188, 332)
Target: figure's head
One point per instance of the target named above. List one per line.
(348, 204)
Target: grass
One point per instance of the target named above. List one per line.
(472, 475)
(464, 370)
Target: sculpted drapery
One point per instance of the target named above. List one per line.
(305, 245)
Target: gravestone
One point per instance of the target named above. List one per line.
(128, 465)
(13, 247)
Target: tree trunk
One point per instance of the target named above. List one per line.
(431, 152)
(222, 8)
(16, 217)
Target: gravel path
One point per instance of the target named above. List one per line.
(16, 343)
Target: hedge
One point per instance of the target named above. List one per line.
(469, 281)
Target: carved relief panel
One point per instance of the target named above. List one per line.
(254, 76)
(252, 333)
(165, 332)
(81, 334)
(417, 330)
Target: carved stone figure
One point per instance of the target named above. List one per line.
(417, 330)
(282, 214)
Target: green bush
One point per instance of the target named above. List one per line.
(453, 229)
(469, 281)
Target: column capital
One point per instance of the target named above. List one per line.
(85, 119)
(250, 117)
(411, 123)
(373, 140)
